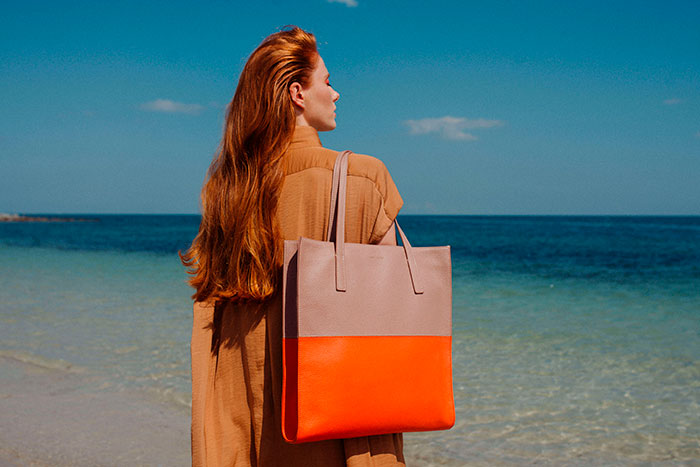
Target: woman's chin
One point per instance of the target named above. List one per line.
(326, 126)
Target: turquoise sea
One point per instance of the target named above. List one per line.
(576, 339)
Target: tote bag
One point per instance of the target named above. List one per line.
(367, 334)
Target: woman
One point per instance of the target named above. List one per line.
(270, 181)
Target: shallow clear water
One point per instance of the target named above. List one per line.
(576, 339)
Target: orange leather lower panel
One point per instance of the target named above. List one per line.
(346, 385)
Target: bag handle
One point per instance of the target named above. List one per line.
(337, 220)
(334, 193)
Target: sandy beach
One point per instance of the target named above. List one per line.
(51, 418)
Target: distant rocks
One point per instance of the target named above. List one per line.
(20, 218)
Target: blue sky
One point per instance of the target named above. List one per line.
(475, 107)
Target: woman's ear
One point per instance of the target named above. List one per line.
(297, 94)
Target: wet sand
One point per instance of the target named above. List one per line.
(62, 417)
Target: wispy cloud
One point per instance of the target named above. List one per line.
(168, 106)
(672, 101)
(348, 3)
(451, 127)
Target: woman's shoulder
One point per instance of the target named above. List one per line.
(359, 165)
(372, 168)
(368, 178)
(365, 165)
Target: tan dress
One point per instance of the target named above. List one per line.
(237, 382)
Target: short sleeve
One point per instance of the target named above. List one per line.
(390, 203)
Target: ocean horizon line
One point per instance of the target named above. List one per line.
(65, 214)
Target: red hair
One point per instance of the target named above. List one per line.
(237, 253)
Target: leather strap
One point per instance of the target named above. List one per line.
(340, 276)
(337, 221)
(334, 195)
(412, 268)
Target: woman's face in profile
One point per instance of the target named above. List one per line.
(319, 99)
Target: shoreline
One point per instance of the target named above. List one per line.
(58, 417)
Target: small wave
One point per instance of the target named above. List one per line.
(171, 396)
(41, 361)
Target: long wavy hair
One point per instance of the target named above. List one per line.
(237, 253)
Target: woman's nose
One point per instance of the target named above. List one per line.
(337, 95)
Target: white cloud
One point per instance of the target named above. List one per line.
(672, 101)
(168, 106)
(348, 3)
(451, 127)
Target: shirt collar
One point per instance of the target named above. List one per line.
(305, 137)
